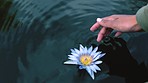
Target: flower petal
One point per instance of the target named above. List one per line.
(73, 58)
(96, 67)
(94, 51)
(90, 72)
(96, 54)
(76, 55)
(81, 48)
(93, 69)
(98, 57)
(92, 75)
(85, 50)
(71, 62)
(98, 62)
(102, 55)
(90, 50)
(77, 51)
(72, 51)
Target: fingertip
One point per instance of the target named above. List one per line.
(118, 34)
(99, 38)
(91, 29)
(94, 27)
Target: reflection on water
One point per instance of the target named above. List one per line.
(34, 52)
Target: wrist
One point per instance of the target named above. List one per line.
(136, 26)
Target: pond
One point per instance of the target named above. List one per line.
(36, 36)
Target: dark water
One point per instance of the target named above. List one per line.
(33, 51)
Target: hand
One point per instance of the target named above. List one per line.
(120, 23)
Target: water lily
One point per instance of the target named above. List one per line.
(86, 59)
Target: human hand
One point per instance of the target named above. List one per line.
(120, 23)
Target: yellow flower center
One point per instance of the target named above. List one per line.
(86, 60)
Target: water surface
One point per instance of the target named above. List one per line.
(35, 49)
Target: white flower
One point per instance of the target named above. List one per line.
(86, 59)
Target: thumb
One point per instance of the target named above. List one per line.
(107, 23)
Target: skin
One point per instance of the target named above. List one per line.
(119, 23)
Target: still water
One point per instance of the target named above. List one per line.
(33, 51)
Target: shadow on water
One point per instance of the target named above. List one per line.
(35, 40)
(121, 62)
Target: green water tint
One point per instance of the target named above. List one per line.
(35, 51)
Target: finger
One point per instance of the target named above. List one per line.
(101, 34)
(118, 34)
(108, 23)
(95, 26)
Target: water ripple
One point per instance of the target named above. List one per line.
(48, 29)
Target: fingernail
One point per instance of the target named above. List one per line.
(92, 30)
(99, 19)
(98, 40)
